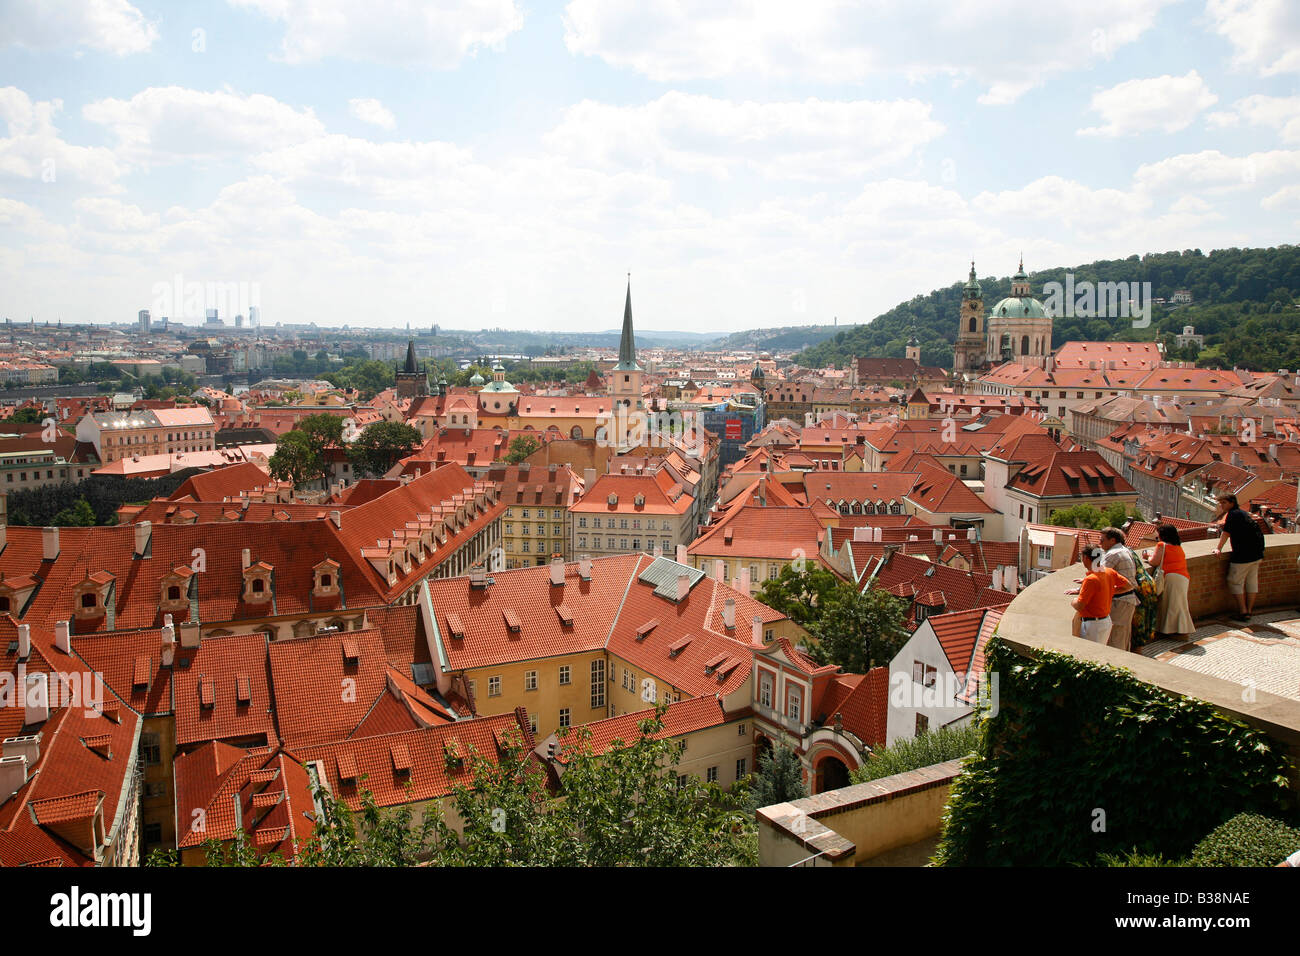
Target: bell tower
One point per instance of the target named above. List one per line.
(968, 354)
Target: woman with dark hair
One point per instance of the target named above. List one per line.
(1172, 617)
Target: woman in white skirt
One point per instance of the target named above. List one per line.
(1173, 619)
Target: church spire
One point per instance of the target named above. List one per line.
(411, 368)
(627, 344)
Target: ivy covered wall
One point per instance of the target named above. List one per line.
(1082, 759)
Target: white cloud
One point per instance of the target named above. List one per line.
(1166, 103)
(1280, 113)
(832, 41)
(171, 124)
(810, 140)
(1064, 202)
(438, 35)
(373, 112)
(34, 150)
(1284, 197)
(111, 26)
(1265, 34)
(1212, 170)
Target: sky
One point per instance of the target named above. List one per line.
(506, 163)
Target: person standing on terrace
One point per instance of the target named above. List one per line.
(1096, 592)
(1247, 553)
(1118, 557)
(1172, 617)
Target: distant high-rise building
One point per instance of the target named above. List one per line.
(254, 316)
(212, 318)
(239, 321)
(144, 321)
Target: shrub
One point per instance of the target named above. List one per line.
(1248, 839)
(925, 750)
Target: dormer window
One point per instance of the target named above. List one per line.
(257, 583)
(91, 595)
(326, 575)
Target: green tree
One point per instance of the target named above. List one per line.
(296, 459)
(859, 630)
(381, 445)
(27, 415)
(1088, 516)
(779, 779)
(520, 448)
(79, 515)
(800, 593)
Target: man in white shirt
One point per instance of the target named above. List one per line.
(1118, 556)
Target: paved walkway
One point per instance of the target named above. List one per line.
(1264, 655)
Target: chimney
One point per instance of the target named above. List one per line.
(997, 579)
(245, 559)
(557, 571)
(584, 567)
(970, 534)
(49, 544)
(862, 534)
(729, 613)
(588, 478)
(876, 535)
(24, 641)
(28, 747)
(191, 634)
(719, 569)
(337, 518)
(13, 774)
(681, 554)
(756, 630)
(4, 519)
(937, 535)
(744, 584)
(1009, 580)
(1272, 452)
(168, 644)
(36, 699)
(683, 586)
(143, 531)
(63, 636)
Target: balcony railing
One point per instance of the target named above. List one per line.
(775, 716)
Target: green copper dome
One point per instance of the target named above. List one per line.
(972, 290)
(1019, 308)
(476, 379)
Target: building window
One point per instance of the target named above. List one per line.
(530, 680)
(564, 717)
(582, 522)
(152, 833)
(494, 686)
(740, 768)
(793, 700)
(711, 775)
(681, 781)
(922, 724)
(532, 723)
(598, 683)
(741, 731)
(151, 749)
(564, 674)
(765, 690)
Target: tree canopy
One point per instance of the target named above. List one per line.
(382, 445)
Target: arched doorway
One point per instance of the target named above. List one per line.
(832, 774)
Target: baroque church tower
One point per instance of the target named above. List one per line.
(968, 354)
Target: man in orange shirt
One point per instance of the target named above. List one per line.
(1098, 587)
